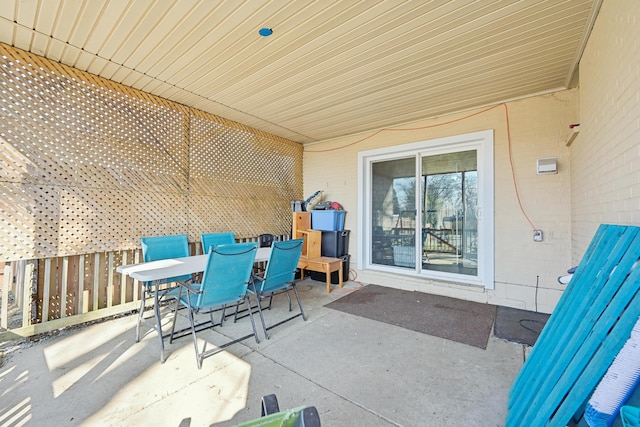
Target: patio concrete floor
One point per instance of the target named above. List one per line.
(355, 371)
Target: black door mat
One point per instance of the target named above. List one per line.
(453, 319)
(519, 326)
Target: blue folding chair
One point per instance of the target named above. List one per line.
(225, 281)
(215, 239)
(278, 278)
(153, 249)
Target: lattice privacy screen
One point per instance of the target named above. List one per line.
(89, 165)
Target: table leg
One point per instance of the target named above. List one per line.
(156, 312)
(340, 275)
(141, 311)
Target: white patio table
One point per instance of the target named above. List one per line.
(155, 271)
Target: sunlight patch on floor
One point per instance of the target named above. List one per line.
(62, 352)
(18, 415)
(212, 394)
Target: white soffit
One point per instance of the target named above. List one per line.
(330, 68)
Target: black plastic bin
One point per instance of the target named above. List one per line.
(322, 277)
(298, 276)
(335, 244)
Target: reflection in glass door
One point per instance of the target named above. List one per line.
(427, 209)
(449, 195)
(393, 213)
(448, 224)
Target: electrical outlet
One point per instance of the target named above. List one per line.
(537, 235)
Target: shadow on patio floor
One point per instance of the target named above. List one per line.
(355, 371)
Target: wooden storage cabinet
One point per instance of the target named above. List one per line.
(311, 258)
(312, 247)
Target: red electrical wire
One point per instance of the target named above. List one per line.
(506, 111)
(513, 173)
(403, 129)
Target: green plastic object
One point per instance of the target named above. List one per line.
(303, 416)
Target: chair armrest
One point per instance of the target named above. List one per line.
(195, 277)
(190, 287)
(257, 277)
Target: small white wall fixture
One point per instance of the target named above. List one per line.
(547, 165)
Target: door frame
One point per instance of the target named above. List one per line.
(481, 141)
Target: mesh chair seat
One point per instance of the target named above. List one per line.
(214, 239)
(225, 281)
(154, 249)
(279, 277)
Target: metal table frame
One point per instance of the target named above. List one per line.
(154, 271)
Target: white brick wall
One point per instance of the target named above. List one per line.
(605, 157)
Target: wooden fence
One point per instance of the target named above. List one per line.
(42, 295)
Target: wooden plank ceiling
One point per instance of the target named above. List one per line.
(330, 68)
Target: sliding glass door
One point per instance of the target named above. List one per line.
(449, 189)
(393, 208)
(428, 208)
